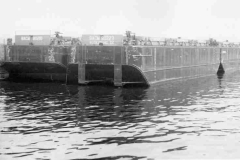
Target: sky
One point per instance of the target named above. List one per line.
(188, 19)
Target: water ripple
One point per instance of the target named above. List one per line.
(189, 119)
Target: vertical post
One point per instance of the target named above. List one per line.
(82, 66)
(181, 62)
(220, 55)
(118, 66)
(7, 52)
(155, 63)
(4, 52)
(143, 58)
(126, 52)
(164, 62)
(221, 70)
(155, 58)
(17, 55)
(13, 54)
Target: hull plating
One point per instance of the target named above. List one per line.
(117, 64)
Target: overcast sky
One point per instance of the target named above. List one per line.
(189, 19)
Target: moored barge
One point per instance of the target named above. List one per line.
(117, 59)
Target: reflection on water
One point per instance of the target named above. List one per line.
(192, 119)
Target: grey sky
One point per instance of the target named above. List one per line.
(190, 19)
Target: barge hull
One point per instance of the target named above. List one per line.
(117, 65)
(35, 71)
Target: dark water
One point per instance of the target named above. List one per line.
(194, 119)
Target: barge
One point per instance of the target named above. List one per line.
(117, 59)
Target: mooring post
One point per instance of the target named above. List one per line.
(220, 68)
(118, 66)
(220, 55)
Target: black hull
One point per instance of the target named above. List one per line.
(35, 71)
(99, 73)
(55, 72)
(104, 74)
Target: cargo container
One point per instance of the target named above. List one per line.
(32, 40)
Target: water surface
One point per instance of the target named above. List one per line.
(194, 119)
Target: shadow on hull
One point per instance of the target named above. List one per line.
(101, 73)
(56, 72)
(104, 74)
